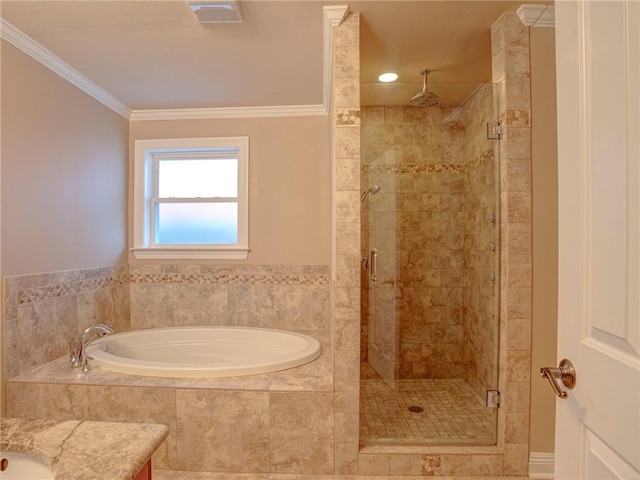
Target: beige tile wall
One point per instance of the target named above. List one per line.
(431, 314)
(416, 224)
(44, 312)
(288, 297)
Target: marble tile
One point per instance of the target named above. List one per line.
(346, 61)
(151, 305)
(161, 474)
(200, 304)
(46, 401)
(347, 174)
(516, 458)
(346, 459)
(291, 307)
(347, 140)
(347, 427)
(346, 332)
(223, 431)
(348, 270)
(405, 465)
(45, 329)
(487, 465)
(188, 475)
(456, 465)
(301, 432)
(348, 205)
(516, 428)
(347, 396)
(140, 405)
(374, 464)
(11, 348)
(515, 175)
(347, 92)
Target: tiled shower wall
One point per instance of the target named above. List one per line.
(416, 224)
(430, 226)
(45, 312)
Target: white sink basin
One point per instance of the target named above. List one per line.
(21, 466)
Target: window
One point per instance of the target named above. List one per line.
(191, 198)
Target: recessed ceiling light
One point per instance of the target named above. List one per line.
(387, 77)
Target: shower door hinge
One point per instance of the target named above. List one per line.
(492, 399)
(494, 130)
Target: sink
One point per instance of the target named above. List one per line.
(22, 466)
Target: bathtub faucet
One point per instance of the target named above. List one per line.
(79, 356)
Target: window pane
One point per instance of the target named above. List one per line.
(207, 177)
(197, 223)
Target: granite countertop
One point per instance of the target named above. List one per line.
(84, 450)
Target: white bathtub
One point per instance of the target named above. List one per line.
(202, 352)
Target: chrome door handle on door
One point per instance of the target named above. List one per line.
(564, 372)
(374, 265)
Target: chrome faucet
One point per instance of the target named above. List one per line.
(79, 356)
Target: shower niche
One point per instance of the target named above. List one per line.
(430, 266)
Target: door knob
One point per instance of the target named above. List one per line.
(564, 372)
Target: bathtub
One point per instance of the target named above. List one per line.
(202, 352)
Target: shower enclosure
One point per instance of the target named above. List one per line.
(430, 261)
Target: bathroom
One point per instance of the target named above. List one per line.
(289, 281)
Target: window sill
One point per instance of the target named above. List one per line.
(198, 253)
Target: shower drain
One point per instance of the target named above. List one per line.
(416, 409)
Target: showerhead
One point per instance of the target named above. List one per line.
(371, 190)
(425, 98)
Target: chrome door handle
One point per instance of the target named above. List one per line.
(374, 265)
(564, 372)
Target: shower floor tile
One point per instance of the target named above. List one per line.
(451, 413)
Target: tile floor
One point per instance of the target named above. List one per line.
(451, 413)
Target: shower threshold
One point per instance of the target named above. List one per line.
(424, 412)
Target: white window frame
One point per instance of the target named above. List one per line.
(143, 187)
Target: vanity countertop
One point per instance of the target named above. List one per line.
(84, 450)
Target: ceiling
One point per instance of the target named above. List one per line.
(153, 54)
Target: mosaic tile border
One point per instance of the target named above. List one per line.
(432, 168)
(233, 279)
(31, 295)
(22, 290)
(347, 117)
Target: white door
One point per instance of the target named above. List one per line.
(598, 55)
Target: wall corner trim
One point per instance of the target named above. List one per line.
(534, 15)
(36, 51)
(541, 465)
(333, 16)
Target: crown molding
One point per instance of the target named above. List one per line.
(229, 112)
(333, 16)
(534, 15)
(36, 51)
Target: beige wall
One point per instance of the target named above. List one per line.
(545, 235)
(64, 173)
(289, 182)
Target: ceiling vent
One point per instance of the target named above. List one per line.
(216, 11)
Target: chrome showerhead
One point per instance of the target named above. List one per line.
(425, 98)
(371, 190)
